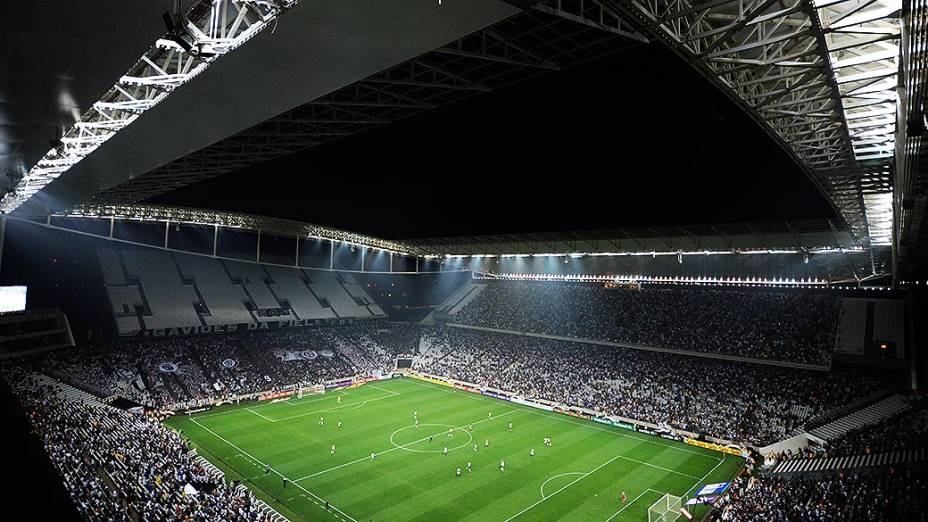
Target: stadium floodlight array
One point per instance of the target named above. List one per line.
(643, 279)
(208, 30)
(656, 253)
(236, 220)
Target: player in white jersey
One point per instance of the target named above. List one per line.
(502, 465)
(458, 474)
(373, 456)
(444, 451)
(469, 469)
(332, 451)
(321, 421)
(475, 446)
(531, 452)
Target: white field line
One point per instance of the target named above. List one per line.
(563, 418)
(316, 499)
(562, 488)
(643, 493)
(383, 390)
(542, 488)
(265, 405)
(259, 415)
(335, 409)
(643, 463)
(401, 446)
(704, 476)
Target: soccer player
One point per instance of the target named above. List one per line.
(333, 449)
(469, 469)
(450, 433)
(338, 399)
(321, 421)
(510, 426)
(458, 474)
(531, 452)
(470, 427)
(417, 423)
(475, 446)
(490, 415)
(415, 414)
(339, 426)
(373, 456)
(444, 451)
(267, 469)
(430, 438)
(624, 497)
(486, 443)
(502, 465)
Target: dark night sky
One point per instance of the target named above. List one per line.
(634, 139)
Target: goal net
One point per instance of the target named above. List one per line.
(310, 390)
(667, 509)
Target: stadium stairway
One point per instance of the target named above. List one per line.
(872, 414)
(889, 458)
(68, 392)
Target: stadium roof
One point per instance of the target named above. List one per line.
(820, 76)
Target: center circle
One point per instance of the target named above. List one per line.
(405, 446)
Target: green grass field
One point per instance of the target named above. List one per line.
(579, 477)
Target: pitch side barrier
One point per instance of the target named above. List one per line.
(694, 439)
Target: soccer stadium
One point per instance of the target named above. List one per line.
(484, 260)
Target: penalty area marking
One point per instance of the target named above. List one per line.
(312, 496)
(643, 493)
(404, 447)
(558, 476)
(562, 488)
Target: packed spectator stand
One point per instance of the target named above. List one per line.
(788, 325)
(728, 400)
(884, 496)
(736, 401)
(125, 466)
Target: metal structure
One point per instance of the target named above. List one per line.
(205, 32)
(797, 236)
(249, 222)
(834, 82)
(818, 75)
(911, 186)
(531, 43)
(806, 249)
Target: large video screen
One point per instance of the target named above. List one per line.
(12, 299)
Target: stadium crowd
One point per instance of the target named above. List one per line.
(733, 401)
(171, 371)
(780, 325)
(740, 402)
(124, 466)
(904, 431)
(881, 496)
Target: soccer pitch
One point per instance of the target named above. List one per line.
(579, 477)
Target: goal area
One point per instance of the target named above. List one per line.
(667, 509)
(310, 390)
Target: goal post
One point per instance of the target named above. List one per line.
(667, 509)
(310, 390)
